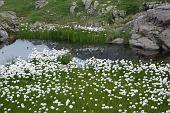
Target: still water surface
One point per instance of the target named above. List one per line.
(22, 48)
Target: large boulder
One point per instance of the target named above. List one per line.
(165, 38)
(8, 20)
(3, 36)
(160, 15)
(118, 41)
(40, 3)
(9, 15)
(150, 29)
(144, 43)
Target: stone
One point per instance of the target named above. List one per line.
(144, 43)
(135, 36)
(118, 41)
(138, 20)
(3, 36)
(73, 7)
(118, 14)
(9, 14)
(40, 3)
(109, 8)
(151, 5)
(160, 15)
(90, 11)
(96, 4)
(165, 38)
(1, 3)
(9, 20)
(87, 3)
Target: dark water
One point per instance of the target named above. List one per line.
(106, 51)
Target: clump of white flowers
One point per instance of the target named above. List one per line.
(54, 27)
(43, 84)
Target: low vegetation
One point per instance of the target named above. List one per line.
(45, 84)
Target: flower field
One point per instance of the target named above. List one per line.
(43, 83)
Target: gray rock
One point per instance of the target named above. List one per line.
(118, 14)
(96, 4)
(87, 3)
(118, 41)
(152, 5)
(9, 22)
(40, 3)
(3, 36)
(135, 36)
(165, 38)
(144, 43)
(160, 15)
(90, 11)
(109, 8)
(138, 20)
(9, 14)
(1, 3)
(73, 7)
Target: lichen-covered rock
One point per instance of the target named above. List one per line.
(118, 15)
(96, 4)
(87, 3)
(9, 15)
(40, 3)
(8, 20)
(73, 7)
(1, 3)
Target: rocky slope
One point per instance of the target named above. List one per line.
(150, 30)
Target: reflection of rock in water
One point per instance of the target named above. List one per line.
(87, 51)
(145, 52)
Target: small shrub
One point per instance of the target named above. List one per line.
(65, 59)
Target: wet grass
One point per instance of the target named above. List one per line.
(65, 35)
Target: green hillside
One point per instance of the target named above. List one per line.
(58, 11)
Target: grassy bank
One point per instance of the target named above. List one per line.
(44, 84)
(66, 35)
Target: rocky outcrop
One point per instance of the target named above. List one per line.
(160, 15)
(8, 23)
(40, 3)
(1, 3)
(144, 42)
(3, 36)
(8, 20)
(97, 8)
(150, 30)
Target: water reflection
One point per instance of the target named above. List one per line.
(23, 47)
